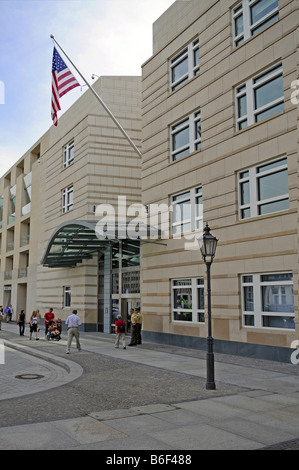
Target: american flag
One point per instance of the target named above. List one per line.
(62, 81)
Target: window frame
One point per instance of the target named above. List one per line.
(244, 9)
(252, 176)
(257, 313)
(196, 219)
(248, 90)
(197, 290)
(67, 198)
(194, 141)
(193, 68)
(69, 153)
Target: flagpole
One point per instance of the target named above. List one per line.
(100, 100)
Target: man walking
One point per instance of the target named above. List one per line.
(73, 322)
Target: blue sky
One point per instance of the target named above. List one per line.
(104, 37)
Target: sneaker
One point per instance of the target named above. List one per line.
(124, 347)
(67, 352)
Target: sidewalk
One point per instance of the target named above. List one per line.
(262, 411)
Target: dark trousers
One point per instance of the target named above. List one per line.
(138, 333)
(134, 336)
(21, 327)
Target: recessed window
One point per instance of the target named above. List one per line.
(186, 136)
(67, 199)
(268, 300)
(263, 189)
(188, 300)
(250, 16)
(68, 154)
(187, 211)
(67, 296)
(260, 97)
(184, 65)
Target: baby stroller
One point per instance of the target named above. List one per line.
(53, 332)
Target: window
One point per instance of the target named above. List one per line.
(67, 199)
(185, 65)
(188, 300)
(68, 154)
(187, 211)
(12, 208)
(186, 136)
(250, 16)
(268, 300)
(264, 189)
(66, 296)
(260, 97)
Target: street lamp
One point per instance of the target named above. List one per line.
(208, 244)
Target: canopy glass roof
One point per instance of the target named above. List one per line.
(76, 240)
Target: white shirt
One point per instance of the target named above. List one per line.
(73, 321)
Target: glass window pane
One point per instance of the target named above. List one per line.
(181, 154)
(197, 130)
(239, 28)
(182, 196)
(199, 207)
(275, 109)
(274, 207)
(245, 213)
(248, 298)
(249, 320)
(239, 41)
(277, 298)
(245, 194)
(273, 185)
(200, 299)
(242, 106)
(270, 166)
(196, 57)
(269, 92)
(261, 9)
(183, 298)
(180, 139)
(264, 24)
(278, 322)
(276, 277)
(242, 124)
(179, 70)
(182, 211)
(244, 174)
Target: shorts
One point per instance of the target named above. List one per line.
(33, 328)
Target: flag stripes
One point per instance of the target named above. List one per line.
(62, 82)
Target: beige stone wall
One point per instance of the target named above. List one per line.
(262, 244)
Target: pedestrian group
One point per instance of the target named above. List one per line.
(73, 322)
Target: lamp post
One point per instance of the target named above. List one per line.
(208, 244)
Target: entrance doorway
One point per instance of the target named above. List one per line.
(126, 305)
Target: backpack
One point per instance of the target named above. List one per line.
(121, 326)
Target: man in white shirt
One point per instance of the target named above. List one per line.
(73, 322)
